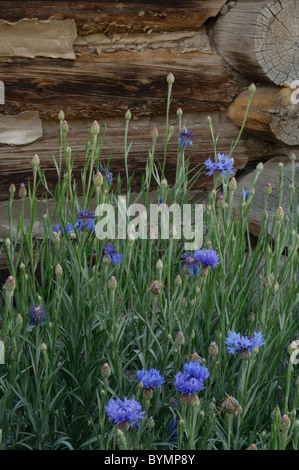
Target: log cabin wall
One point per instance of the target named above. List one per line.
(95, 60)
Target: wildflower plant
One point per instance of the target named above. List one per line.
(78, 312)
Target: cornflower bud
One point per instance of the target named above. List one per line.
(128, 115)
(179, 339)
(7, 243)
(98, 180)
(120, 436)
(252, 88)
(213, 350)
(259, 167)
(19, 320)
(10, 285)
(22, 191)
(284, 424)
(232, 185)
(159, 265)
(12, 190)
(170, 78)
(106, 371)
(279, 214)
(221, 202)
(155, 133)
(179, 112)
(35, 161)
(95, 128)
(268, 189)
(112, 283)
(58, 271)
(292, 348)
(43, 348)
(61, 115)
(292, 157)
(230, 406)
(178, 281)
(65, 127)
(252, 447)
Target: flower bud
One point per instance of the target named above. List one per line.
(170, 78)
(213, 349)
(128, 115)
(35, 161)
(7, 243)
(292, 157)
(252, 447)
(159, 265)
(151, 423)
(10, 285)
(120, 436)
(155, 133)
(230, 405)
(106, 371)
(147, 394)
(95, 128)
(195, 402)
(19, 320)
(259, 167)
(279, 214)
(178, 281)
(98, 180)
(252, 88)
(232, 185)
(164, 182)
(22, 191)
(61, 115)
(292, 347)
(112, 283)
(65, 127)
(43, 348)
(179, 112)
(12, 190)
(58, 271)
(268, 189)
(221, 202)
(179, 339)
(284, 424)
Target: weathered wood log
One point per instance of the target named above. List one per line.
(272, 114)
(15, 168)
(113, 17)
(107, 85)
(270, 174)
(259, 38)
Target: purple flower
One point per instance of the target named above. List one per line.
(207, 257)
(85, 221)
(237, 343)
(110, 254)
(224, 165)
(185, 137)
(107, 173)
(188, 385)
(190, 263)
(245, 195)
(150, 378)
(122, 412)
(38, 315)
(196, 370)
(58, 228)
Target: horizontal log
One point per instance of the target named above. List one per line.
(270, 174)
(272, 114)
(113, 17)
(107, 85)
(15, 168)
(259, 38)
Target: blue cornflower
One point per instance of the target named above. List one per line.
(150, 378)
(245, 195)
(38, 315)
(107, 173)
(85, 221)
(206, 258)
(124, 412)
(190, 263)
(58, 228)
(224, 165)
(235, 342)
(196, 370)
(188, 385)
(110, 255)
(185, 137)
